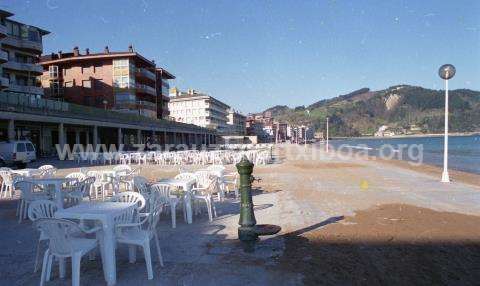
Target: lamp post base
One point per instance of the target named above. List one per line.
(445, 177)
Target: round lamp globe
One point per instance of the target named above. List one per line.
(446, 71)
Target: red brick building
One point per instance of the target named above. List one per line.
(123, 81)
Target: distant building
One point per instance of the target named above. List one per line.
(21, 47)
(122, 81)
(199, 109)
(236, 122)
(384, 131)
(318, 135)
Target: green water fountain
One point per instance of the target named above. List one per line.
(249, 230)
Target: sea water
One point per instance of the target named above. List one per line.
(463, 151)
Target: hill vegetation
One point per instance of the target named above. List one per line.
(404, 109)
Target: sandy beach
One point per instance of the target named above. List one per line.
(344, 221)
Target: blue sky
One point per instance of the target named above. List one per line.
(256, 54)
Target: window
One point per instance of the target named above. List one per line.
(20, 147)
(97, 68)
(69, 84)
(21, 80)
(53, 71)
(121, 81)
(87, 83)
(30, 147)
(24, 32)
(9, 57)
(97, 84)
(34, 35)
(87, 100)
(120, 63)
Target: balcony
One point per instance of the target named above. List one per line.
(25, 89)
(145, 73)
(3, 57)
(3, 31)
(141, 104)
(23, 44)
(143, 88)
(4, 82)
(32, 68)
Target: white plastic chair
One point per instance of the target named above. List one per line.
(204, 192)
(47, 171)
(64, 244)
(98, 185)
(41, 209)
(80, 190)
(141, 185)
(130, 197)
(126, 178)
(122, 169)
(46, 167)
(164, 190)
(77, 175)
(6, 189)
(140, 234)
(230, 183)
(29, 192)
(203, 179)
(186, 175)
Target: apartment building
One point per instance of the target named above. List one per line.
(199, 109)
(21, 47)
(163, 89)
(236, 122)
(122, 81)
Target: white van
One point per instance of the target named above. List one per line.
(17, 152)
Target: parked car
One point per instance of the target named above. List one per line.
(17, 153)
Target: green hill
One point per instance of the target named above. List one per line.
(405, 109)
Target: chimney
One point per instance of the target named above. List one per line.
(87, 51)
(59, 54)
(106, 51)
(76, 52)
(130, 49)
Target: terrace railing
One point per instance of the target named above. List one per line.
(29, 104)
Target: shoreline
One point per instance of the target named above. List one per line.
(456, 134)
(432, 170)
(455, 175)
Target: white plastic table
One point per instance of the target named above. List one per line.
(186, 185)
(27, 172)
(57, 182)
(104, 212)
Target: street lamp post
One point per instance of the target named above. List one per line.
(305, 130)
(446, 72)
(326, 146)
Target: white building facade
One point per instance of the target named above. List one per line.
(236, 123)
(198, 109)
